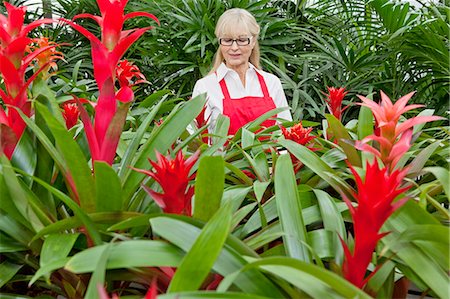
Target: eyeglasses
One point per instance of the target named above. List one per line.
(242, 41)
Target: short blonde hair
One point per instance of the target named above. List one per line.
(227, 25)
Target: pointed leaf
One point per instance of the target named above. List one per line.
(196, 265)
(290, 210)
(209, 185)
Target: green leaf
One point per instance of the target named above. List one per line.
(197, 263)
(7, 271)
(209, 185)
(332, 218)
(98, 276)
(259, 188)
(56, 247)
(365, 122)
(75, 160)
(422, 157)
(127, 254)
(108, 188)
(25, 202)
(290, 210)
(341, 135)
(443, 175)
(313, 280)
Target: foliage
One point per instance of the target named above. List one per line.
(274, 213)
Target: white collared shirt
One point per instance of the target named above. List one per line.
(210, 85)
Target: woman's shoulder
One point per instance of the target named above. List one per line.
(206, 81)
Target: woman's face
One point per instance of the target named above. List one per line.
(237, 54)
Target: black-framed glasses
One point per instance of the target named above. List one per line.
(242, 41)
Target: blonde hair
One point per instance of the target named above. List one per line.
(227, 24)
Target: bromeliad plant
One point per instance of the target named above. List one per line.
(14, 63)
(104, 133)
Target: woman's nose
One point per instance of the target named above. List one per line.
(234, 45)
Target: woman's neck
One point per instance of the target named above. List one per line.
(241, 70)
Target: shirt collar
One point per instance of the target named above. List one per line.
(223, 70)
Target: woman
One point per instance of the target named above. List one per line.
(236, 86)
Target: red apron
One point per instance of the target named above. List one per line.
(244, 110)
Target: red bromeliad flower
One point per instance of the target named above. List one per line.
(126, 72)
(301, 136)
(375, 197)
(173, 177)
(13, 65)
(71, 113)
(334, 101)
(46, 59)
(106, 54)
(394, 138)
(298, 134)
(128, 75)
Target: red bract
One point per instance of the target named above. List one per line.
(106, 54)
(334, 101)
(13, 64)
(301, 136)
(375, 197)
(71, 113)
(173, 177)
(129, 74)
(393, 137)
(298, 134)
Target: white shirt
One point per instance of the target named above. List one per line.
(210, 85)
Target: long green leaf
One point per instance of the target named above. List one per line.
(108, 187)
(209, 185)
(127, 254)
(290, 210)
(7, 271)
(197, 263)
(443, 175)
(313, 280)
(75, 160)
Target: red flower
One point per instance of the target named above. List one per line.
(298, 134)
(173, 177)
(393, 137)
(125, 73)
(375, 199)
(105, 56)
(46, 59)
(13, 65)
(71, 113)
(128, 75)
(334, 101)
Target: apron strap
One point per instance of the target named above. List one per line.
(224, 88)
(263, 85)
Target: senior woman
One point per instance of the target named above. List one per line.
(236, 86)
